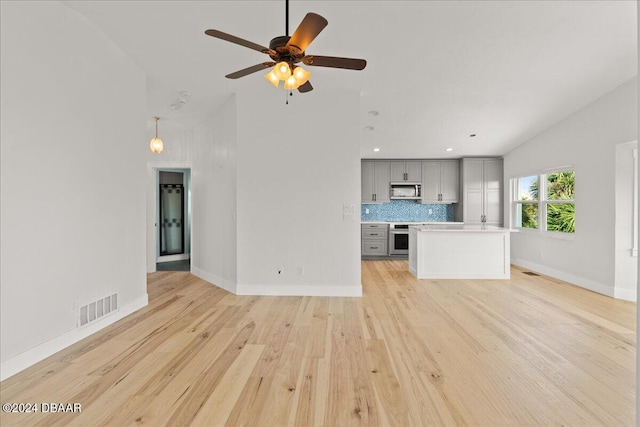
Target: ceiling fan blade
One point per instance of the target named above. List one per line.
(305, 87)
(335, 62)
(308, 30)
(250, 70)
(237, 40)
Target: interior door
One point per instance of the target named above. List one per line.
(171, 219)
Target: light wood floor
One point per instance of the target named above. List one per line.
(529, 351)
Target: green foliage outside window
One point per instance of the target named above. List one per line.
(561, 185)
(561, 217)
(530, 215)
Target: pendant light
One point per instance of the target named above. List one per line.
(156, 143)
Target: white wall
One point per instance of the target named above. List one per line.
(587, 140)
(214, 240)
(72, 112)
(626, 264)
(298, 165)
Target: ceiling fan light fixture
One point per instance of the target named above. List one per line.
(272, 78)
(282, 70)
(156, 145)
(301, 75)
(291, 83)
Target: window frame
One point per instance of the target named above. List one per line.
(542, 202)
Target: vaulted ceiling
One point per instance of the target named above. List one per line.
(438, 71)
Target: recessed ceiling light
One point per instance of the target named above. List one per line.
(373, 113)
(449, 149)
(376, 149)
(472, 135)
(368, 128)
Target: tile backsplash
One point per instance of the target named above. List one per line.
(406, 210)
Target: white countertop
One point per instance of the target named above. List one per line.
(460, 227)
(413, 222)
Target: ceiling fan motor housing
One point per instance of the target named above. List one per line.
(284, 52)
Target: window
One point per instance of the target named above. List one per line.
(545, 202)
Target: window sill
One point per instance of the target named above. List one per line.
(546, 234)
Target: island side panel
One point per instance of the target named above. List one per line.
(463, 255)
(413, 253)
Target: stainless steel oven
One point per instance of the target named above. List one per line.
(398, 239)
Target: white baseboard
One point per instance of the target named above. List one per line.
(169, 258)
(305, 290)
(282, 290)
(567, 277)
(214, 279)
(40, 352)
(626, 294)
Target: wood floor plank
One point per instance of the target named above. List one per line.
(386, 384)
(529, 351)
(252, 408)
(217, 408)
(202, 388)
(174, 395)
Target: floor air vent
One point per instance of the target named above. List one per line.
(97, 309)
(530, 273)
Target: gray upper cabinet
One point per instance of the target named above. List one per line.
(482, 191)
(440, 181)
(406, 170)
(375, 181)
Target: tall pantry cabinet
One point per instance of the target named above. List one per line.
(481, 184)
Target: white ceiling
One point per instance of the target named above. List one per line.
(437, 71)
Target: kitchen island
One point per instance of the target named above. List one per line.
(459, 251)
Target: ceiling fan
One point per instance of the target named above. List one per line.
(287, 51)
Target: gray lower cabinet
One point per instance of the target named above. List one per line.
(375, 240)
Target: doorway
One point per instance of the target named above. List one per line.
(172, 213)
(169, 220)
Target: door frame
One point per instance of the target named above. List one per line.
(152, 206)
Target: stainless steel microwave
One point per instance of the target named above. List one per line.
(405, 190)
